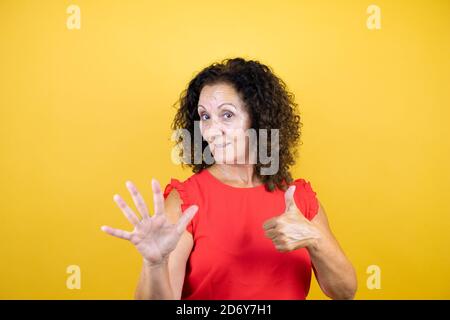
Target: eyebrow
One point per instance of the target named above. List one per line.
(221, 105)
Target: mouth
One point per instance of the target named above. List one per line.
(221, 145)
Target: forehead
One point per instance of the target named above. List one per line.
(213, 95)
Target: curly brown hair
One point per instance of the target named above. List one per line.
(268, 102)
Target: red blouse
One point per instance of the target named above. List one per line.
(231, 258)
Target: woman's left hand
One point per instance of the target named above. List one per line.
(291, 230)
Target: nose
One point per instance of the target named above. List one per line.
(213, 131)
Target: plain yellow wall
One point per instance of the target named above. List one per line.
(82, 111)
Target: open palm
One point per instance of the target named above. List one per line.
(155, 237)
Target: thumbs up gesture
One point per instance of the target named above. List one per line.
(291, 230)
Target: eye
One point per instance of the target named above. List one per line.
(204, 116)
(228, 115)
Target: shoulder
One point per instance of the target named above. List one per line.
(185, 192)
(180, 195)
(304, 186)
(306, 197)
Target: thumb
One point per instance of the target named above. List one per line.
(289, 198)
(185, 218)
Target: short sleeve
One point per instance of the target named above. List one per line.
(184, 195)
(306, 198)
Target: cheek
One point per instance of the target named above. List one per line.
(239, 136)
(238, 126)
(203, 130)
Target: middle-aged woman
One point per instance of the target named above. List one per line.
(236, 228)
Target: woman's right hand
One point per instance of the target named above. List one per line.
(154, 237)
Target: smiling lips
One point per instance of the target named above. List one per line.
(221, 145)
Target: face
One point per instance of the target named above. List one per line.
(223, 123)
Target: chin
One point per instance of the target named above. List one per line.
(222, 160)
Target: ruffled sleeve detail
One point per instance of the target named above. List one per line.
(184, 195)
(306, 198)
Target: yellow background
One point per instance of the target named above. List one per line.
(84, 110)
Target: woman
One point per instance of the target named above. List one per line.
(231, 231)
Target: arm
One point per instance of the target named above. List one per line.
(292, 230)
(334, 272)
(154, 283)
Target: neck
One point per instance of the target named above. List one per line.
(241, 174)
